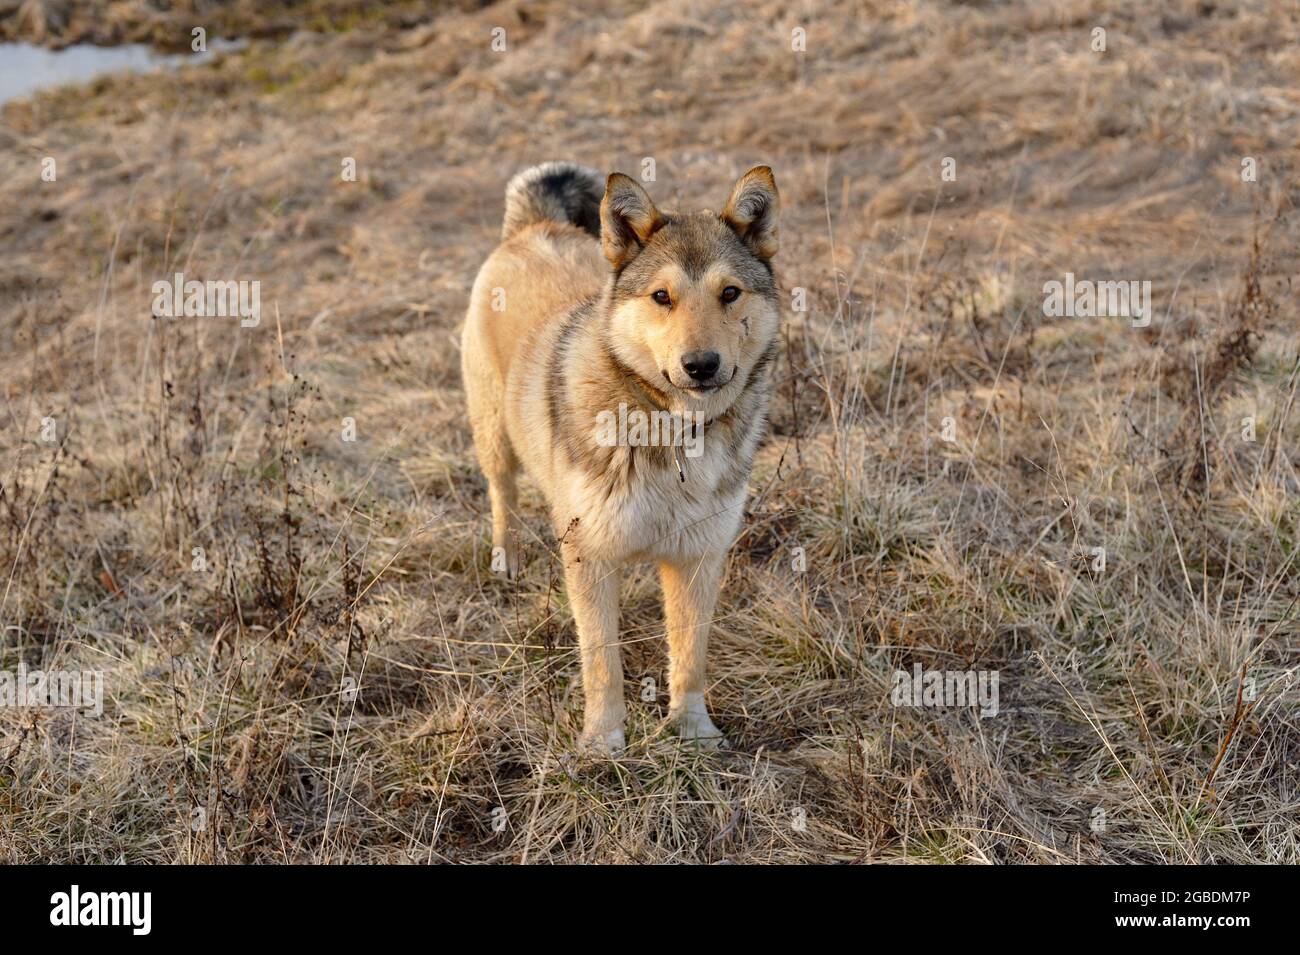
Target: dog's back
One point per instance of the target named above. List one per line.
(546, 262)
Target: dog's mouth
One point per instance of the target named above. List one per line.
(703, 387)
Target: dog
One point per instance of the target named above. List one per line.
(597, 310)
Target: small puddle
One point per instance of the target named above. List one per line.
(26, 68)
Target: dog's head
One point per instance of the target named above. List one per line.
(694, 300)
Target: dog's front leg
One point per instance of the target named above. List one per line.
(690, 593)
(593, 595)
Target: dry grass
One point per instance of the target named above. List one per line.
(167, 23)
(330, 561)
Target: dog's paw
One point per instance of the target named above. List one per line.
(697, 729)
(609, 742)
(507, 563)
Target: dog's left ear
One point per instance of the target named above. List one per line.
(752, 211)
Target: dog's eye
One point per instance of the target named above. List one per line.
(662, 297)
(730, 294)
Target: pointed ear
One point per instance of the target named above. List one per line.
(752, 211)
(627, 219)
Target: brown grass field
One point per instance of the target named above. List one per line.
(343, 679)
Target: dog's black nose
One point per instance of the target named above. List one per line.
(701, 365)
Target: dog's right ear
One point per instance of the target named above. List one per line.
(627, 219)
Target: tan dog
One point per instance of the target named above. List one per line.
(634, 391)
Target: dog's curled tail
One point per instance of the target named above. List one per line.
(558, 191)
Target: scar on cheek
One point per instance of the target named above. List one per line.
(745, 323)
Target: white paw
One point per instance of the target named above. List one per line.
(608, 742)
(696, 727)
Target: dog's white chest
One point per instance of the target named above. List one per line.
(661, 511)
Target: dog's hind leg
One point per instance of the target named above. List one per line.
(496, 456)
(506, 526)
(500, 466)
(690, 594)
